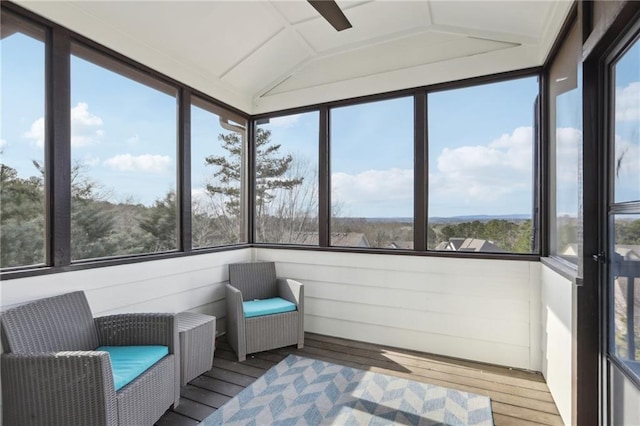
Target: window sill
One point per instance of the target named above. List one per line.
(562, 267)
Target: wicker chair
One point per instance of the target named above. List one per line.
(52, 375)
(257, 280)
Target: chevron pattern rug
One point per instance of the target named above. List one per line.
(303, 391)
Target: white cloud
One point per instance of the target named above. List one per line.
(141, 163)
(628, 102)
(36, 132)
(568, 152)
(372, 186)
(199, 195)
(86, 128)
(285, 121)
(480, 173)
(3, 143)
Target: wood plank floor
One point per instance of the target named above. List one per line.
(517, 397)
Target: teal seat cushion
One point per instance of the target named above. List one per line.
(128, 362)
(275, 305)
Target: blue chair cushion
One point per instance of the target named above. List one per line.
(128, 362)
(275, 305)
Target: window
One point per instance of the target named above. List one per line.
(481, 142)
(625, 267)
(372, 174)
(624, 209)
(286, 186)
(123, 152)
(218, 147)
(565, 122)
(22, 143)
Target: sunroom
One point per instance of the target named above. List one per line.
(456, 183)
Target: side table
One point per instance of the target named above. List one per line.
(197, 343)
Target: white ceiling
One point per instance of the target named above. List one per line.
(262, 56)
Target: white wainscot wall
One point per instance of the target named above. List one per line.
(556, 303)
(190, 283)
(484, 310)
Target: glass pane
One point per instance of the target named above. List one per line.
(22, 139)
(626, 161)
(287, 179)
(565, 87)
(372, 175)
(625, 267)
(123, 152)
(481, 167)
(217, 169)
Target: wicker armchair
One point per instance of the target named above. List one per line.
(257, 280)
(52, 375)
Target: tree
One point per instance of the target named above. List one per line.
(21, 219)
(160, 222)
(92, 225)
(271, 178)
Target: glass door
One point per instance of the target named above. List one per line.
(623, 282)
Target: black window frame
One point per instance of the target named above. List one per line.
(58, 193)
(58, 150)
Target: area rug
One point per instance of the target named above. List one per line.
(303, 391)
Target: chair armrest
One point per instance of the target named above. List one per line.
(74, 388)
(291, 290)
(236, 331)
(139, 329)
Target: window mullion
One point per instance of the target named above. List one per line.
(324, 176)
(58, 149)
(421, 173)
(184, 171)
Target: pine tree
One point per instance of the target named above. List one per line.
(271, 175)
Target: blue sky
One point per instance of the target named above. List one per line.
(124, 134)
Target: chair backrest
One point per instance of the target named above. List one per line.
(255, 280)
(59, 323)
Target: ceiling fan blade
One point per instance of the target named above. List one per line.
(330, 11)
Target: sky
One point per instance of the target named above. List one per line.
(480, 140)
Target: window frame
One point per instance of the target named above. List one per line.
(559, 263)
(38, 31)
(221, 113)
(57, 187)
(58, 149)
(612, 208)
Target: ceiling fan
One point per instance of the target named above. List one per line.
(330, 11)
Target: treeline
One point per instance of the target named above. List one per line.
(509, 236)
(98, 228)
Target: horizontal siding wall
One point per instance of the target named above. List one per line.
(190, 283)
(484, 310)
(556, 300)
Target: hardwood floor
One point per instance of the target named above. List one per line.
(517, 397)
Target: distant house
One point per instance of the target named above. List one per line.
(570, 250)
(469, 245)
(401, 245)
(628, 251)
(342, 239)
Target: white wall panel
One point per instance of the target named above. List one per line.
(477, 309)
(192, 283)
(556, 304)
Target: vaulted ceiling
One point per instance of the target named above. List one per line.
(264, 56)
